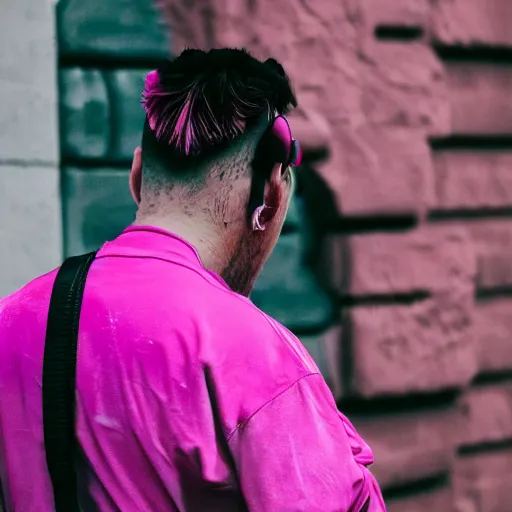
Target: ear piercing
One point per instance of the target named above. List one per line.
(256, 225)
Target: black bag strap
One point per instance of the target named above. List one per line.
(59, 379)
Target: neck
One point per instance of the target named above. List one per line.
(210, 244)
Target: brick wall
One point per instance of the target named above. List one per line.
(394, 267)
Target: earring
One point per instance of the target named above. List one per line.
(256, 225)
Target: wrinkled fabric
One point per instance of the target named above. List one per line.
(188, 397)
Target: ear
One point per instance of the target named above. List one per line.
(136, 176)
(275, 195)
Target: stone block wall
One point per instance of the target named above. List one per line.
(406, 225)
(395, 264)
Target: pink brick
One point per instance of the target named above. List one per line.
(476, 22)
(438, 500)
(380, 171)
(472, 179)
(480, 98)
(409, 446)
(404, 85)
(427, 346)
(485, 414)
(482, 482)
(431, 258)
(304, 37)
(493, 334)
(493, 243)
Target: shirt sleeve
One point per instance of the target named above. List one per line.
(296, 454)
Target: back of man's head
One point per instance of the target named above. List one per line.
(215, 164)
(204, 108)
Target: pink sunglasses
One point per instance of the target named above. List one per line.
(289, 152)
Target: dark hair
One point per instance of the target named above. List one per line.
(201, 102)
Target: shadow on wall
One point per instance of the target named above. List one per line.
(291, 288)
(321, 214)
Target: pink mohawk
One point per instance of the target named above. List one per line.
(184, 118)
(204, 99)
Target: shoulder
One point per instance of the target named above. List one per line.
(23, 318)
(231, 323)
(251, 358)
(31, 297)
(255, 334)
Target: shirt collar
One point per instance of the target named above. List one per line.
(151, 241)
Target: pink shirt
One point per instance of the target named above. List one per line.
(187, 395)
